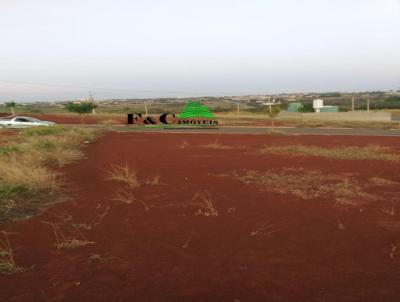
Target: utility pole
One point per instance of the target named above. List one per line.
(91, 100)
(352, 104)
(368, 101)
(145, 108)
(238, 109)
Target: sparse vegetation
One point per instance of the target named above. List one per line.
(96, 220)
(27, 180)
(382, 181)
(306, 185)
(216, 145)
(7, 262)
(125, 196)
(67, 242)
(266, 229)
(124, 174)
(347, 153)
(127, 176)
(207, 206)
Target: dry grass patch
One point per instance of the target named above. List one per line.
(27, 181)
(73, 243)
(127, 176)
(28, 175)
(207, 206)
(382, 181)
(67, 242)
(124, 174)
(128, 196)
(7, 262)
(61, 156)
(306, 185)
(350, 153)
(267, 229)
(216, 145)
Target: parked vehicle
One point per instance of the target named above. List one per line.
(23, 122)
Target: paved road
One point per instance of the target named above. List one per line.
(265, 130)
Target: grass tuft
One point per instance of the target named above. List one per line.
(7, 262)
(64, 242)
(124, 174)
(207, 206)
(72, 244)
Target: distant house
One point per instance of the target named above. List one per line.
(318, 106)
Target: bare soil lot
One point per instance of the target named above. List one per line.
(207, 217)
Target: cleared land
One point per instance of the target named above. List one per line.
(190, 217)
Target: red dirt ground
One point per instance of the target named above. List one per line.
(170, 254)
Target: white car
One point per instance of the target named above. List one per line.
(23, 122)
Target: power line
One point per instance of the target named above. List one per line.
(89, 88)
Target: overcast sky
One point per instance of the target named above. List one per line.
(153, 48)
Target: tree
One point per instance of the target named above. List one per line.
(308, 106)
(273, 111)
(81, 108)
(12, 106)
